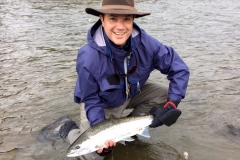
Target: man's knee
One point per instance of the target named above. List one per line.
(73, 135)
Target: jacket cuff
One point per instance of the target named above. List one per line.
(174, 101)
(174, 97)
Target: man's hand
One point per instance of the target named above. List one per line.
(109, 146)
(167, 115)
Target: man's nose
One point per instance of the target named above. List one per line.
(120, 24)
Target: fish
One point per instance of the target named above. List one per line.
(116, 129)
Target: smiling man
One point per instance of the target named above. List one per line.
(113, 70)
(118, 28)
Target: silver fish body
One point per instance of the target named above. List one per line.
(117, 129)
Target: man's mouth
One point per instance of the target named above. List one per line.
(119, 33)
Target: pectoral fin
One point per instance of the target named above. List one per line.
(128, 139)
(93, 155)
(144, 132)
(122, 142)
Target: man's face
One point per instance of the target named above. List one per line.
(117, 27)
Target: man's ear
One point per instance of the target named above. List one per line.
(101, 17)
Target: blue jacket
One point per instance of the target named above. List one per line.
(97, 84)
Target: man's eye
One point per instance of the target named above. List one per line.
(127, 19)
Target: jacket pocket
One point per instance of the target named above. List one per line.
(112, 93)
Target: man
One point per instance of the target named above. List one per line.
(113, 70)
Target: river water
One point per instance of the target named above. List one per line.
(39, 41)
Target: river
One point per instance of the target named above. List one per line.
(39, 41)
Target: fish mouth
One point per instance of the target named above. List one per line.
(70, 153)
(73, 154)
(76, 153)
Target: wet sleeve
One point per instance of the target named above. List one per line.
(168, 62)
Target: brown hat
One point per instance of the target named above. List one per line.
(116, 7)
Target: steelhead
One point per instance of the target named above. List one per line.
(116, 129)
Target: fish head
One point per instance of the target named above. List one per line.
(77, 151)
(80, 149)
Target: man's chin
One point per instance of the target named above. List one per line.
(119, 43)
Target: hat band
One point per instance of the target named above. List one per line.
(118, 7)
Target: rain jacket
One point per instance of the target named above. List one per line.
(99, 60)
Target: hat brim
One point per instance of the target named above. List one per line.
(97, 12)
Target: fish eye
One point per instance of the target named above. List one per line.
(77, 147)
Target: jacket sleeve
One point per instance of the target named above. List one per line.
(86, 90)
(168, 62)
